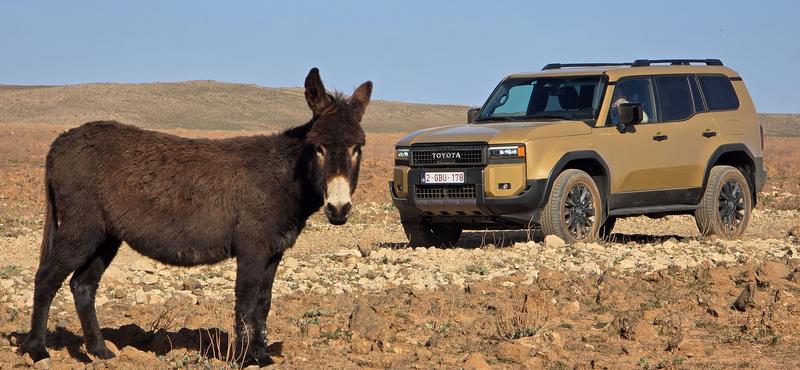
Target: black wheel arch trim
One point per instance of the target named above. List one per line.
(755, 179)
(604, 186)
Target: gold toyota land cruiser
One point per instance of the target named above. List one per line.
(573, 147)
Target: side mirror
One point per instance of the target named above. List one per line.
(471, 114)
(630, 113)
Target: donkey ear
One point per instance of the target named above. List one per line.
(318, 99)
(360, 99)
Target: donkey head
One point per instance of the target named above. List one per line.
(336, 138)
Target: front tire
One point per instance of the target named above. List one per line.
(574, 209)
(726, 204)
(432, 236)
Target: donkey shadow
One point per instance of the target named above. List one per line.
(210, 343)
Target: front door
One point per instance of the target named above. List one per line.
(640, 155)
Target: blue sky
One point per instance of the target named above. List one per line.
(442, 52)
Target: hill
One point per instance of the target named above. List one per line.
(784, 125)
(199, 105)
(216, 105)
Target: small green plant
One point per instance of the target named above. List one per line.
(480, 270)
(338, 334)
(565, 326)
(315, 313)
(7, 270)
(644, 363)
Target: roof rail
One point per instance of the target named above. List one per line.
(567, 65)
(676, 62)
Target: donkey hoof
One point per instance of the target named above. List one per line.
(265, 361)
(105, 351)
(37, 354)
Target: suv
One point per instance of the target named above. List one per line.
(573, 147)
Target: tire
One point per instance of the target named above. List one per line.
(432, 236)
(726, 204)
(574, 208)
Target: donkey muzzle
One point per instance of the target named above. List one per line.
(337, 204)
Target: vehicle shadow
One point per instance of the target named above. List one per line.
(507, 239)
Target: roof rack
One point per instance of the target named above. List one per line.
(567, 65)
(676, 62)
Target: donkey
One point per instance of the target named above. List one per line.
(187, 202)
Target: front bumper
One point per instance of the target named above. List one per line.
(474, 213)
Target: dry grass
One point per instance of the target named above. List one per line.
(781, 157)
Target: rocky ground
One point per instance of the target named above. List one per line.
(655, 296)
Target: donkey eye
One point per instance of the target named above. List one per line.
(320, 150)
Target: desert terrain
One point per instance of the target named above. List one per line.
(656, 295)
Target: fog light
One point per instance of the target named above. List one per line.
(504, 186)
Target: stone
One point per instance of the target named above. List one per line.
(290, 263)
(636, 329)
(476, 361)
(771, 271)
(747, 298)
(142, 265)
(552, 241)
(149, 279)
(546, 344)
(365, 322)
(515, 353)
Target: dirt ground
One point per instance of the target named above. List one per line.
(739, 311)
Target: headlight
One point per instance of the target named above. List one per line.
(507, 151)
(401, 154)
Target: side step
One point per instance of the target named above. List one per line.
(635, 211)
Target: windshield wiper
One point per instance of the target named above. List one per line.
(553, 115)
(503, 119)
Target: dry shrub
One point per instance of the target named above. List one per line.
(524, 320)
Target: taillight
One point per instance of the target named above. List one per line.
(761, 128)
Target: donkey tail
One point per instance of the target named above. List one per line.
(50, 223)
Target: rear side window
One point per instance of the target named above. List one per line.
(675, 97)
(719, 92)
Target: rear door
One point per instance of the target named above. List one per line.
(694, 135)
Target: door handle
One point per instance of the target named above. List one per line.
(660, 137)
(709, 134)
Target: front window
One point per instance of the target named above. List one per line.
(574, 98)
(633, 90)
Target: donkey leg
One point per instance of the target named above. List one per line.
(258, 347)
(84, 284)
(54, 267)
(48, 280)
(249, 279)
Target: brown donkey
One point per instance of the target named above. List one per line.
(187, 202)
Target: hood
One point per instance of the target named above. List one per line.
(498, 133)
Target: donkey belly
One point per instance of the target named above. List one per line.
(184, 241)
(182, 252)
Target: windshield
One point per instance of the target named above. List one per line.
(563, 97)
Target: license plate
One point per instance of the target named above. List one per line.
(442, 177)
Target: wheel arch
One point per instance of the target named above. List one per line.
(587, 161)
(739, 157)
